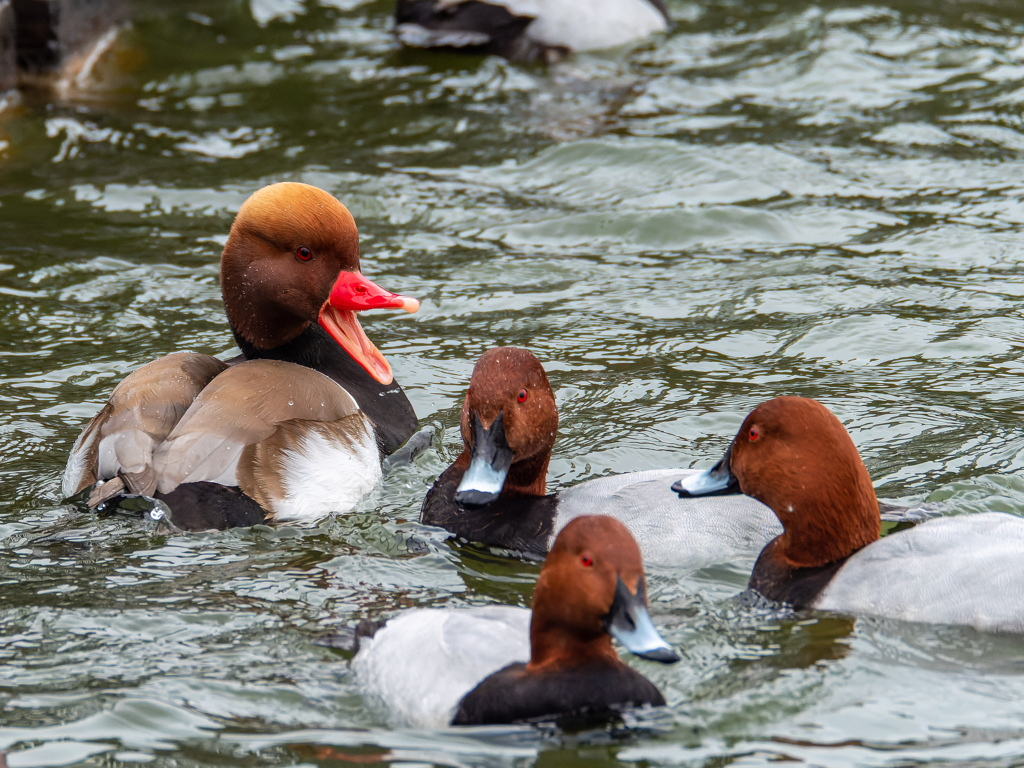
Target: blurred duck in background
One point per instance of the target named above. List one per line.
(527, 30)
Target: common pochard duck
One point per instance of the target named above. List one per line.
(794, 455)
(295, 428)
(527, 30)
(494, 492)
(430, 667)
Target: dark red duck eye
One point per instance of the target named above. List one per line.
(521, 397)
(587, 560)
(754, 433)
(303, 253)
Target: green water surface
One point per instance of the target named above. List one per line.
(813, 198)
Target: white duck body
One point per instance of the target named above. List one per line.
(966, 569)
(420, 664)
(685, 533)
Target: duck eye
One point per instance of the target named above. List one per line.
(587, 560)
(521, 397)
(754, 433)
(303, 253)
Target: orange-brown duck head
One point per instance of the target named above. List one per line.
(291, 259)
(509, 422)
(590, 589)
(795, 456)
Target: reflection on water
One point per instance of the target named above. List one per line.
(811, 198)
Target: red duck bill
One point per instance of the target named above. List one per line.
(352, 293)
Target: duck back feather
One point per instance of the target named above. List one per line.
(684, 533)
(455, 649)
(955, 570)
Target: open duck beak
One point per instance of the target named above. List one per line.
(488, 464)
(352, 293)
(717, 481)
(629, 622)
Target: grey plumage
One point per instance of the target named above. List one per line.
(687, 533)
(964, 570)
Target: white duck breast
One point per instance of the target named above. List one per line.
(419, 665)
(290, 437)
(590, 25)
(966, 570)
(326, 468)
(685, 533)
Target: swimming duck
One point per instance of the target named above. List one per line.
(292, 430)
(794, 455)
(527, 30)
(494, 492)
(430, 667)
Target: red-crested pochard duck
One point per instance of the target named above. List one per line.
(794, 455)
(527, 30)
(295, 428)
(431, 667)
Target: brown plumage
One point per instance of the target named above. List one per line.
(141, 412)
(241, 419)
(531, 425)
(572, 598)
(795, 456)
(268, 302)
